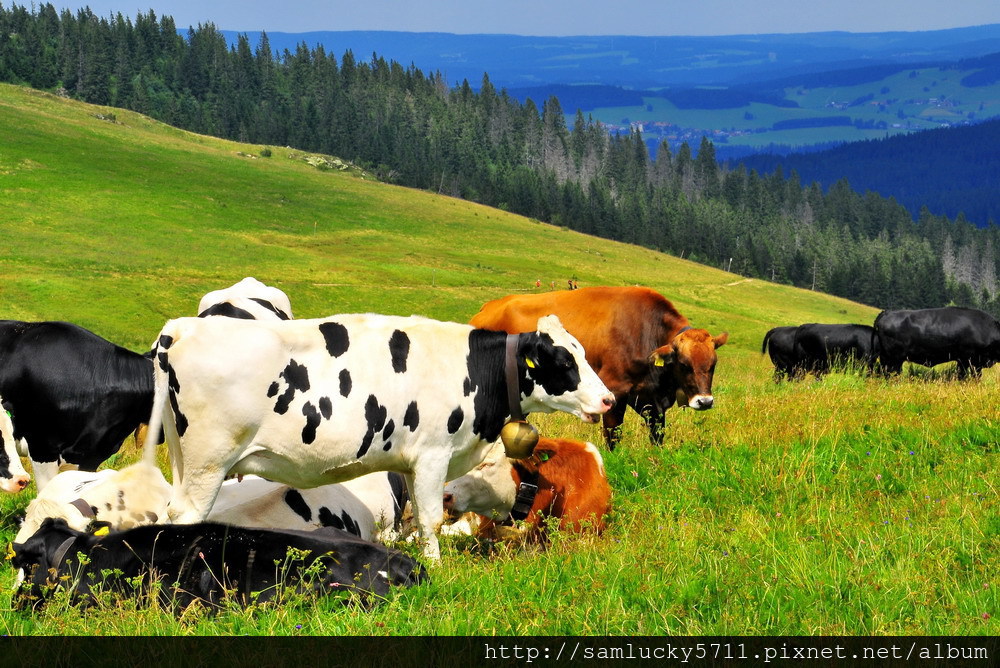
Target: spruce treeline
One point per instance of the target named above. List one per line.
(413, 129)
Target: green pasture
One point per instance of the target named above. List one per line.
(661, 109)
(926, 98)
(756, 130)
(842, 506)
(911, 91)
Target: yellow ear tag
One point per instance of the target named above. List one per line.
(658, 361)
(103, 531)
(527, 360)
(10, 551)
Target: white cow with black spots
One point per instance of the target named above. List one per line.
(370, 507)
(249, 299)
(125, 498)
(312, 402)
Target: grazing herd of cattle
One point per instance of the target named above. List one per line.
(968, 337)
(322, 435)
(332, 426)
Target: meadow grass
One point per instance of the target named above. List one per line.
(850, 505)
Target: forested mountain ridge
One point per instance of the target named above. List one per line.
(413, 129)
(963, 164)
(748, 94)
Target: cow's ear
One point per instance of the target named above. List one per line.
(662, 356)
(533, 351)
(721, 339)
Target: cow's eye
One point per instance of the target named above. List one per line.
(564, 362)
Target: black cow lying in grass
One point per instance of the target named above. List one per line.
(206, 562)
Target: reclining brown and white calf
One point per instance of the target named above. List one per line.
(563, 479)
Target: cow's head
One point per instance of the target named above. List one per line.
(13, 477)
(37, 559)
(43, 508)
(487, 489)
(682, 370)
(555, 375)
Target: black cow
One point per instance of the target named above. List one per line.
(779, 344)
(934, 336)
(74, 396)
(819, 347)
(206, 562)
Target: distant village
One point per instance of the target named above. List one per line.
(656, 132)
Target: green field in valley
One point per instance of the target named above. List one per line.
(847, 506)
(917, 99)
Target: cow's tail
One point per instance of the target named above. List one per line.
(160, 394)
(767, 337)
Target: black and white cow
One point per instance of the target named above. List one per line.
(934, 336)
(206, 562)
(819, 347)
(122, 499)
(74, 396)
(311, 402)
(249, 299)
(370, 506)
(779, 344)
(13, 477)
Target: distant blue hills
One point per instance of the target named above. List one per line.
(515, 61)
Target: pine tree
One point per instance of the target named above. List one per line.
(706, 170)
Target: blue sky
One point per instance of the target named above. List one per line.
(561, 17)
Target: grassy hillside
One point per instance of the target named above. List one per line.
(848, 506)
(119, 225)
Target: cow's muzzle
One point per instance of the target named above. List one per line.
(15, 484)
(607, 403)
(701, 402)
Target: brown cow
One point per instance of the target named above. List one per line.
(571, 487)
(643, 349)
